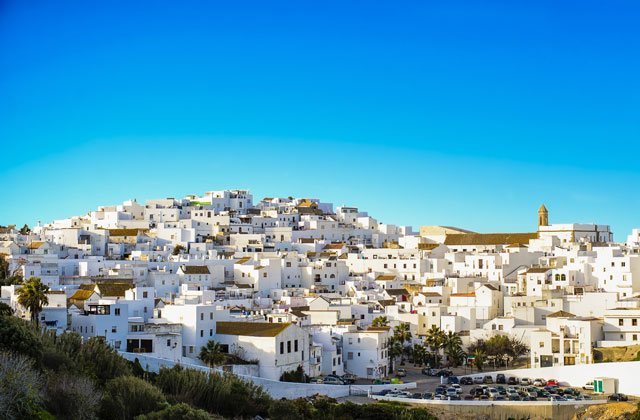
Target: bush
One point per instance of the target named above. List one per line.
(226, 395)
(127, 397)
(102, 362)
(179, 411)
(20, 387)
(72, 397)
(297, 375)
(20, 336)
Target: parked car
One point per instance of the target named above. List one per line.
(618, 397)
(539, 382)
(451, 392)
(512, 380)
(401, 372)
(316, 381)
(444, 372)
(348, 378)
(588, 385)
(526, 381)
(493, 392)
(427, 371)
(466, 380)
(552, 382)
(477, 379)
(453, 380)
(488, 379)
(427, 396)
(333, 380)
(569, 391)
(501, 379)
(468, 397)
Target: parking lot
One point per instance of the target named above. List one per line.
(464, 384)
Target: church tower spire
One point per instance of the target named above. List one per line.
(543, 216)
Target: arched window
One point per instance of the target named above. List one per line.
(564, 277)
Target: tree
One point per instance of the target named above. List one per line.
(20, 336)
(25, 230)
(178, 249)
(452, 345)
(380, 321)
(479, 358)
(5, 310)
(402, 334)
(100, 361)
(419, 354)
(212, 354)
(72, 397)
(435, 341)
(20, 387)
(127, 397)
(395, 350)
(33, 296)
(8, 277)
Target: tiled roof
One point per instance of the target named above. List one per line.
(125, 232)
(472, 294)
(253, 329)
(334, 246)
(81, 295)
(36, 244)
(195, 269)
(397, 292)
(489, 238)
(561, 314)
(538, 270)
(385, 277)
(113, 289)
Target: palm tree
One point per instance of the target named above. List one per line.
(212, 354)
(395, 350)
(381, 321)
(435, 341)
(419, 354)
(479, 358)
(452, 344)
(402, 333)
(33, 296)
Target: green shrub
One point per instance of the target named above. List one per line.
(101, 362)
(20, 336)
(126, 397)
(179, 411)
(226, 395)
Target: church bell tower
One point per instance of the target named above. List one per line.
(543, 216)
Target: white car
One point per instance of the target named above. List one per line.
(493, 392)
(588, 385)
(457, 387)
(539, 382)
(525, 381)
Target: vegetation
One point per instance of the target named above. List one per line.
(212, 354)
(435, 341)
(402, 335)
(297, 375)
(25, 230)
(323, 407)
(33, 296)
(127, 397)
(178, 249)
(7, 277)
(44, 376)
(380, 321)
(500, 349)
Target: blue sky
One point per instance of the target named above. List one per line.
(457, 113)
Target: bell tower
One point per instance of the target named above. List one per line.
(543, 216)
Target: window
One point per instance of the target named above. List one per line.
(541, 344)
(210, 332)
(201, 317)
(620, 322)
(634, 322)
(282, 347)
(114, 329)
(117, 311)
(350, 355)
(289, 346)
(169, 343)
(635, 337)
(295, 346)
(144, 294)
(201, 333)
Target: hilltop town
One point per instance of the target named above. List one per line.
(283, 285)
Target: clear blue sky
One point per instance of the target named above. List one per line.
(458, 113)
